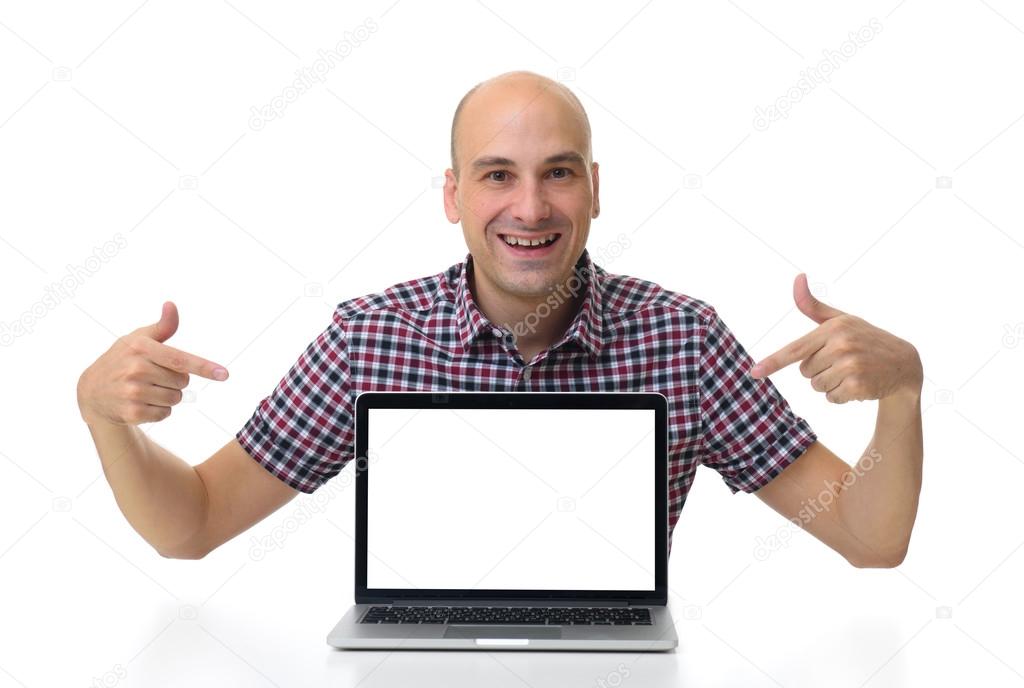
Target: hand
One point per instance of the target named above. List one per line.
(846, 357)
(139, 378)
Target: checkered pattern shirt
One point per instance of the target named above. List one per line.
(629, 335)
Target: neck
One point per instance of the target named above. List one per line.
(536, 321)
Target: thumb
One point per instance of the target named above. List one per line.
(166, 326)
(810, 306)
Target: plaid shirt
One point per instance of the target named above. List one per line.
(629, 335)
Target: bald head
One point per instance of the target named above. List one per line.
(524, 88)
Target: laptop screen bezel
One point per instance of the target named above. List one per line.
(517, 400)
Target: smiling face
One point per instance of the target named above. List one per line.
(522, 174)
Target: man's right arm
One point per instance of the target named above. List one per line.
(182, 511)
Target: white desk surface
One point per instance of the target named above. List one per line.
(85, 602)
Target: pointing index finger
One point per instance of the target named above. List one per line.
(184, 362)
(796, 350)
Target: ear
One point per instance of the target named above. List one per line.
(451, 203)
(597, 187)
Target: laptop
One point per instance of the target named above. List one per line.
(518, 521)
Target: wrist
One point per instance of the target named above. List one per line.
(95, 419)
(910, 389)
(906, 394)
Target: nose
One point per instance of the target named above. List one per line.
(530, 207)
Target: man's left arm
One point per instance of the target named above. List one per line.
(865, 512)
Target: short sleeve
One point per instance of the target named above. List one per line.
(303, 431)
(749, 431)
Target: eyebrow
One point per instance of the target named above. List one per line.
(496, 161)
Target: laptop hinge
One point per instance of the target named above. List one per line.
(511, 603)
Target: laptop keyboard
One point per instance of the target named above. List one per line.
(540, 616)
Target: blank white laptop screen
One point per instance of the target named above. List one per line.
(511, 499)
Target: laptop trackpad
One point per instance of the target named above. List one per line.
(499, 632)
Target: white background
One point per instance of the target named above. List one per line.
(132, 118)
(506, 499)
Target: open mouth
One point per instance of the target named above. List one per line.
(532, 245)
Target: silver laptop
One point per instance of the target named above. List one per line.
(529, 521)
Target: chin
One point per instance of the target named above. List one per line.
(531, 288)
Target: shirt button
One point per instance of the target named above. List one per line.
(526, 373)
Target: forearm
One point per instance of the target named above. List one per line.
(161, 495)
(879, 504)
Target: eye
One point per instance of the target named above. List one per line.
(491, 177)
(563, 169)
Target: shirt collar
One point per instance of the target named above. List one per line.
(586, 328)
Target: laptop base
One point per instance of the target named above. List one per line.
(348, 634)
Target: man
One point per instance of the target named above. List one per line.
(527, 310)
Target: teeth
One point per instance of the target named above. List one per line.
(513, 241)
